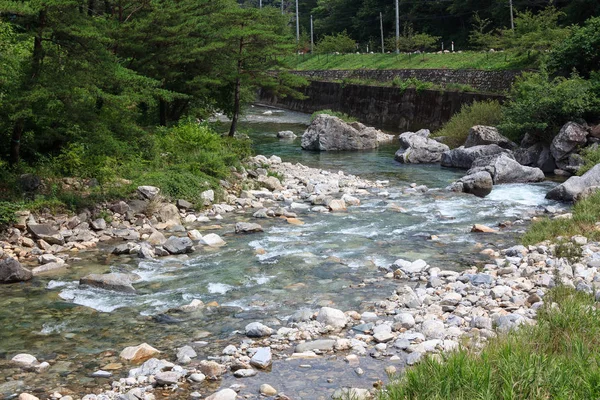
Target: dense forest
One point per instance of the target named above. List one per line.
(110, 89)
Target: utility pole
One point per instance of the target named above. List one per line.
(398, 27)
(281, 7)
(297, 24)
(381, 27)
(512, 19)
(259, 3)
(312, 39)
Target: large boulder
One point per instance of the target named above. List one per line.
(463, 157)
(12, 271)
(505, 169)
(179, 245)
(482, 135)
(286, 135)
(417, 148)
(577, 187)
(329, 133)
(479, 183)
(537, 155)
(115, 281)
(47, 233)
(570, 137)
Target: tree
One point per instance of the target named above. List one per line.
(254, 38)
(580, 51)
(481, 37)
(336, 43)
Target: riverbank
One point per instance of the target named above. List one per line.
(304, 191)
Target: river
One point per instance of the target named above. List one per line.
(324, 262)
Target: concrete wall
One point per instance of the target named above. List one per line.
(383, 107)
(484, 81)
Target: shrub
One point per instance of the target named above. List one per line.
(7, 213)
(415, 83)
(478, 113)
(336, 43)
(591, 157)
(540, 105)
(579, 51)
(344, 117)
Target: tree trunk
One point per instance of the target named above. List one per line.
(236, 107)
(237, 93)
(15, 145)
(162, 110)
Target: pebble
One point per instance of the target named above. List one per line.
(267, 390)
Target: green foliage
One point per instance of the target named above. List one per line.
(344, 117)
(411, 41)
(414, 83)
(8, 213)
(541, 105)
(555, 359)
(336, 43)
(579, 51)
(457, 129)
(591, 157)
(586, 213)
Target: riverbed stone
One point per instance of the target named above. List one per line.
(197, 377)
(247, 227)
(262, 358)
(245, 373)
(24, 360)
(119, 282)
(267, 390)
(463, 157)
(98, 224)
(169, 213)
(569, 138)
(332, 317)
(405, 320)
(179, 245)
(185, 354)
(47, 233)
(257, 330)
(166, 378)
(321, 345)
(337, 205)
(407, 297)
(212, 240)
(286, 135)
(11, 271)
(27, 396)
(156, 238)
(224, 394)
(433, 329)
(577, 187)
(417, 148)
(138, 353)
(510, 322)
(211, 369)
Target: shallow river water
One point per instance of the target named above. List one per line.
(80, 330)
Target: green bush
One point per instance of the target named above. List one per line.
(336, 43)
(478, 113)
(415, 83)
(7, 213)
(556, 359)
(591, 157)
(344, 117)
(540, 105)
(579, 51)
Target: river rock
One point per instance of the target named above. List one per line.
(407, 297)
(321, 345)
(536, 155)
(179, 245)
(49, 267)
(208, 197)
(332, 317)
(409, 267)
(577, 187)
(463, 157)
(484, 135)
(270, 182)
(478, 228)
(245, 373)
(337, 205)
(185, 354)
(148, 192)
(262, 358)
(212, 240)
(404, 320)
(433, 329)
(151, 367)
(479, 184)
(119, 282)
(138, 353)
(169, 213)
(247, 227)
(286, 135)
(12, 271)
(507, 323)
(27, 396)
(156, 238)
(211, 369)
(167, 378)
(417, 148)
(24, 360)
(47, 233)
(267, 390)
(569, 138)
(225, 394)
(329, 133)
(101, 374)
(256, 329)
(98, 224)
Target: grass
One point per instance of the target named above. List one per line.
(456, 130)
(591, 157)
(465, 60)
(404, 84)
(586, 213)
(557, 358)
(344, 117)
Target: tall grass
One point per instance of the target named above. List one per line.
(586, 213)
(343, 116)
(457, 128)
(556, 359)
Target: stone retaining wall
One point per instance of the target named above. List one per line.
(383, 107)
(484, 81)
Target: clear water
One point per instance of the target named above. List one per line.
(319, 263)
